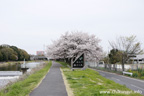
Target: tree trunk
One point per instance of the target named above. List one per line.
(68, 60)
(123, 63)
(115, 67)
(105, 66)
(109, 66)
(122, 67)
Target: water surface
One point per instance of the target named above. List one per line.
(17, 67)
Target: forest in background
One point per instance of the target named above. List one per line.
(12, 53)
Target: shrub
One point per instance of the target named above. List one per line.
(139, 74)
(142, 77)
(135, 74)
(142, 74)
(139, 70)
(129, 70)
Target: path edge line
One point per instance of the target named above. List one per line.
(67, 85)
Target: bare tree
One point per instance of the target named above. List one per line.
(129, 46)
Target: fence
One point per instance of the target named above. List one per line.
(115, 67)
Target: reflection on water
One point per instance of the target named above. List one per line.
(10, 67)
(30, 65)
(11, 72)
(17, 67)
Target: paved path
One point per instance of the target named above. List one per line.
(134, 84)
(52, 85)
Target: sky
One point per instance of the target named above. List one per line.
(33, 24)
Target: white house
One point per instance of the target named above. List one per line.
(139, 59)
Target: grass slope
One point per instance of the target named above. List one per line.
(89, 83)
(23, 88)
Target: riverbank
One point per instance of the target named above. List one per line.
(26, 83)
(90, 83)
(16, 62)
(10, 63)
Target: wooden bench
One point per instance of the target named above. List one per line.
(127, 73)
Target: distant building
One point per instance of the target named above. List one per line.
(139, 59)
(39, 56)
(40, 53)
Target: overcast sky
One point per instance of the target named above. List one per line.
(31, 24)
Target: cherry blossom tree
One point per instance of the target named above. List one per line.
(73, 44)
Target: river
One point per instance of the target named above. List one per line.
(11, 72)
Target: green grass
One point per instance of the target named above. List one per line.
(63, 63)
(89, 83)
(24, 87)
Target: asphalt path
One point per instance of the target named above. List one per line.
(52, 84)
(134, 84)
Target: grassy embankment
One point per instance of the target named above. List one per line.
(89, 83)
(24, 87)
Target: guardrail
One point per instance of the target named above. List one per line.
(127, 73)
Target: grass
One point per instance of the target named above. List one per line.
(89, 83)
(63, 63)
(24, 87)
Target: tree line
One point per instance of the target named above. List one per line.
(12, 53)
(71, 45)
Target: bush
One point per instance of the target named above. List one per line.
(139, 70)
(135, 74)
(142, 77)
(139, 74)
(129, 70)
(142, 74)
